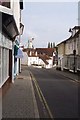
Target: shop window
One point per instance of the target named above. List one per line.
(0, 66)
(5, 64)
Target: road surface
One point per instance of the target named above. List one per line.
(60, 93)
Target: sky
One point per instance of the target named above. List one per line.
(48, 21)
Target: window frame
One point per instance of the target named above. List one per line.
(4, 65)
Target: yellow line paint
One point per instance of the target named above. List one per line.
(42, 99)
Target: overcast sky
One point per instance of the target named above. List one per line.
(48, 21)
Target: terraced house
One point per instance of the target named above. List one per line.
(69, 51)
(39, 57)
(10, 32)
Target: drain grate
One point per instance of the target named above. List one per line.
(20, 78)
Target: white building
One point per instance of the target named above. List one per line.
(69, 52)
(38, 57)
(10, 14)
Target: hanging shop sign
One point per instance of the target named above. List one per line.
(19, 53)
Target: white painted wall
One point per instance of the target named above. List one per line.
(50, 61)
(14, 10)
(60, 61)
(32, 60)
(15, 7)
(40, 62)
(24, 60)
(70, 46)
(5, 10)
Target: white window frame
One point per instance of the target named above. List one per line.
(4, 66)
(1, 67)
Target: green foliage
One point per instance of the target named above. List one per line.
(49, 45)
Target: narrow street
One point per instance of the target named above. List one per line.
(39, 60)
(60, 93)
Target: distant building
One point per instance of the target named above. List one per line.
(30, 44)
(39, 57)
(69, 52)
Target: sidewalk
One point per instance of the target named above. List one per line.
(68, 74)
(19, 101)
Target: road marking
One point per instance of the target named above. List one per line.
(74, 81)
(42, 99)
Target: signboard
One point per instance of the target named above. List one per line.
(19, 54)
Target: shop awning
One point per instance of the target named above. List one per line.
(9, 26)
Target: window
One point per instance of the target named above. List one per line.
(4, 60)
(5, 3)
(4, 65)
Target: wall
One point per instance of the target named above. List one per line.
(40, 62)
(61, 52)
(15, 7)
(24, 60)
(61, 49)
(70, 46)
(32, 60)
(50, 65)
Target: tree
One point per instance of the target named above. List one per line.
(53, 44)
(49, 45)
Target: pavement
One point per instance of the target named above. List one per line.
(70, 75)
(20, 101)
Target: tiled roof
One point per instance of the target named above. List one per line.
(30, 52)
(46, 51)
(71, 37)
(27, 49)
(76, 27)
(44, 58)
(42, 53)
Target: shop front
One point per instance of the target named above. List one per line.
(8, 33)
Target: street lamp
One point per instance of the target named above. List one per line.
(74, 51)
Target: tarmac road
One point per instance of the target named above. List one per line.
(60, 93)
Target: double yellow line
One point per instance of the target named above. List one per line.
(40, 94)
